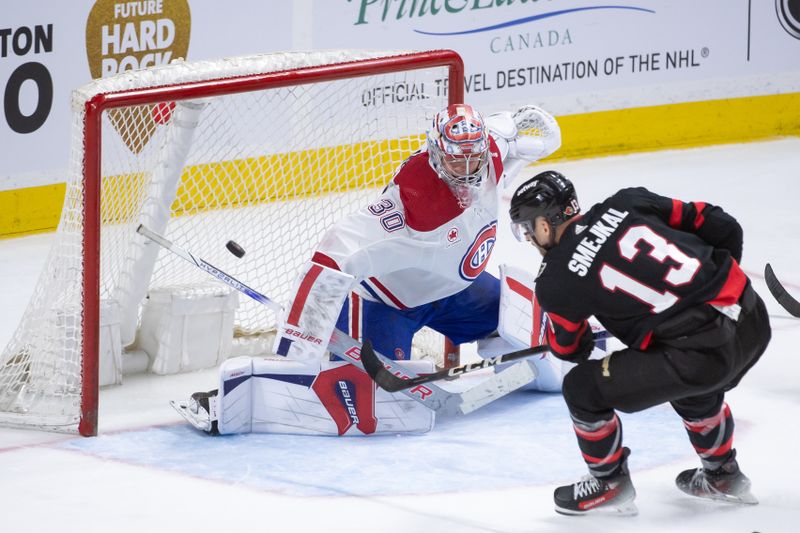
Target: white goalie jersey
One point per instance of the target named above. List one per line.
(417, 243)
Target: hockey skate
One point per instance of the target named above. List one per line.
(199, 411)
(727, 483)
(613, 495)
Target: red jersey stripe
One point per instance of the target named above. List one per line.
(561, 349)
(355, 316)
(566, 324)
(699, 218)
(324, 260)
(646, 341)
(734, 285)
(677, 214)
(394, 299)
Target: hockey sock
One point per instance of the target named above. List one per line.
(712, 437)
(601, 445)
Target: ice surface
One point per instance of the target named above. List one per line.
(493, 470)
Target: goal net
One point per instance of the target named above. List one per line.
(266, 150)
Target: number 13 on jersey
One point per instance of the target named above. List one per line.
(662, 249)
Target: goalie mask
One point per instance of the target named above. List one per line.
(549, 195)
(458, 150)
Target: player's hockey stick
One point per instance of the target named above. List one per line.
(375, 365)
(779, 292)
(343, 345)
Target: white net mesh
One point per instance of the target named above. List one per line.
(269, 168)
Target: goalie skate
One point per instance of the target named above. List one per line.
(612, 495)
(199, 411)
(727, 483)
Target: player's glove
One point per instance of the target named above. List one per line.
(583, 349)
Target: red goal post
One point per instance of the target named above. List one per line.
(107, 174)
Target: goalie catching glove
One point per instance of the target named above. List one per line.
(527, 135)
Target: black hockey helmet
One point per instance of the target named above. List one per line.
(549, 195)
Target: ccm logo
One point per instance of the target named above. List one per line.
(303, 336)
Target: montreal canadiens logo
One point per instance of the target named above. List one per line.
(477, 256)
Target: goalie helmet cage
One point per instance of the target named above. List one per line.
(267, 150)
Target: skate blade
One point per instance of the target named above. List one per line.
(620, 509)
(182, 407)
(744, 498)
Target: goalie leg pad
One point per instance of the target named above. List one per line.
(313, 398)
(234, 399)
(521, 321)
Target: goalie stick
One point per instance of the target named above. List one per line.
(348, 348)
(779, 292)
(380, 369)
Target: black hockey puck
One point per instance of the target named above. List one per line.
(235, 249)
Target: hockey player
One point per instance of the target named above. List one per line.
(416, 256)
(663, 276)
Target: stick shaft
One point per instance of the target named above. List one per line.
(208, 267)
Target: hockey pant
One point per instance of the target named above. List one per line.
(466, 316)
(693, 360)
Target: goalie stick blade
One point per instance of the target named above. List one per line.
(779, 292)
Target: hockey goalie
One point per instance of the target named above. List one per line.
(415, 257)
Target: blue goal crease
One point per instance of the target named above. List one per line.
(392, 465)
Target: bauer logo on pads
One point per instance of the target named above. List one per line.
(477, 256)
(348, 395)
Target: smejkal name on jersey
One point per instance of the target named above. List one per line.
(599, 232)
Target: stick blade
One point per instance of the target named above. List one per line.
(779, 292)
(374, 367)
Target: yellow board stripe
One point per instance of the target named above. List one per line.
(37, 209)
(259, 180)
(646, 129)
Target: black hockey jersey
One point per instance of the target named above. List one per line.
(634, 261)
